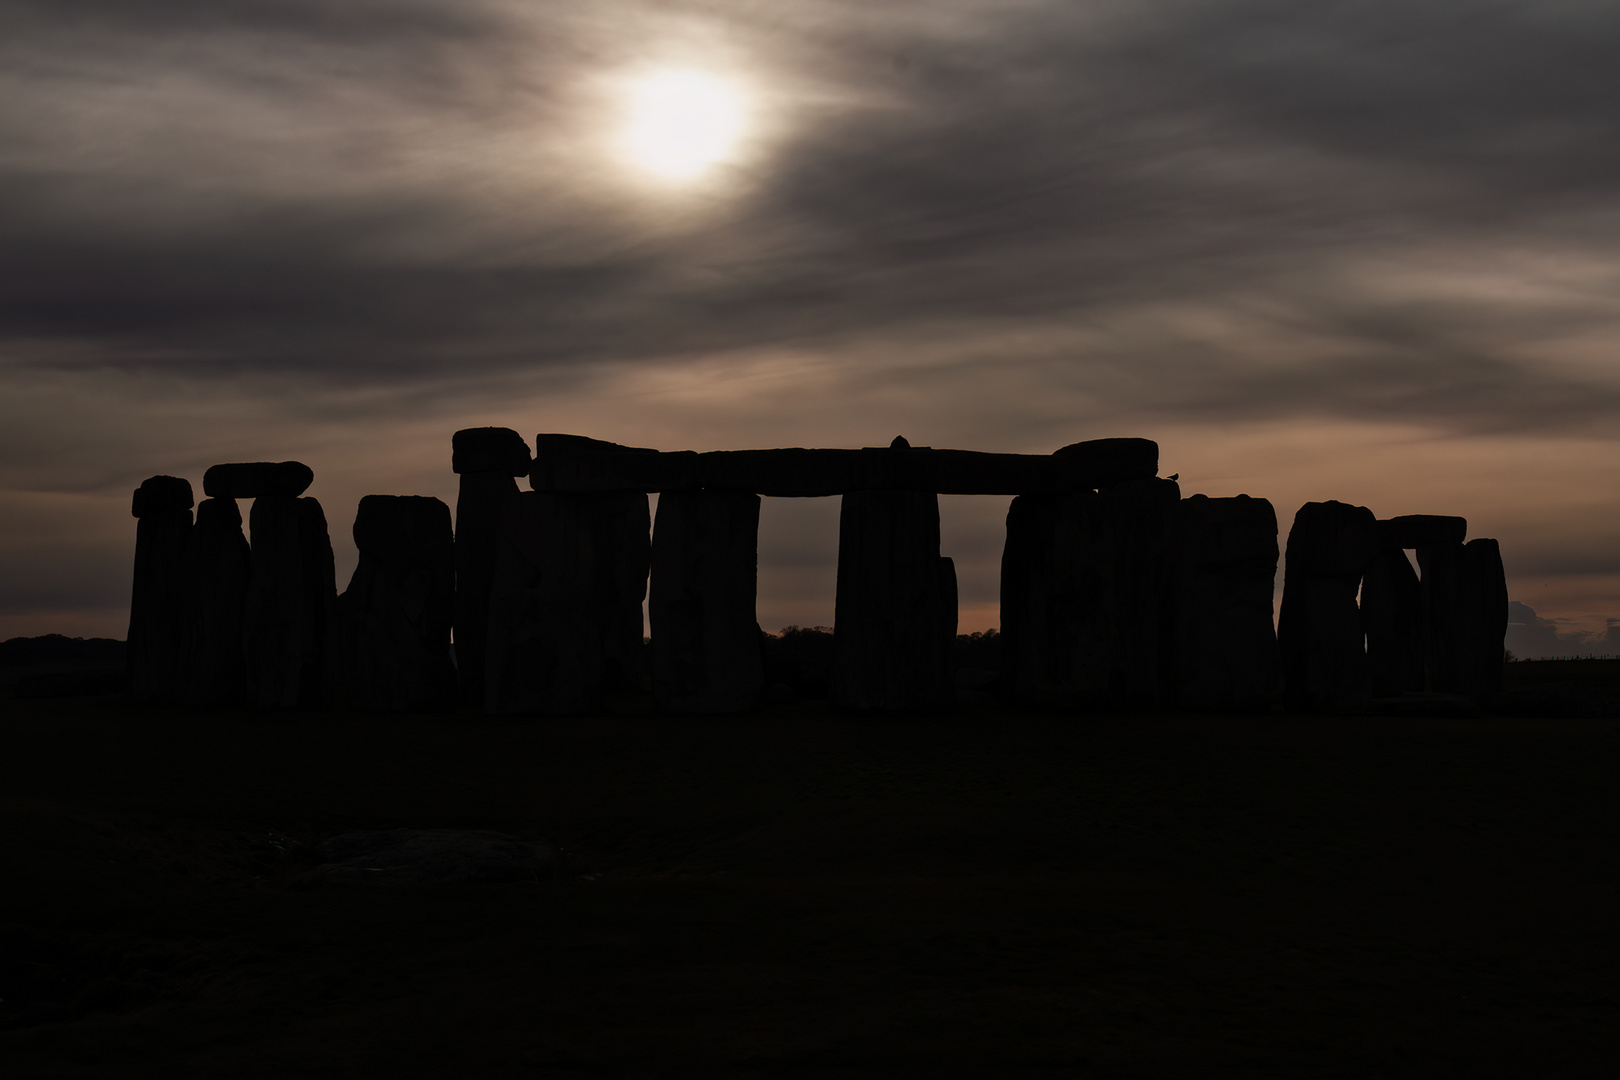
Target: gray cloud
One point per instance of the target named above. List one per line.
(1531, 637)
(1036, 167)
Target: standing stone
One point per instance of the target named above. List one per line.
(1083, 595)
(486, 459)
(707, 654)
(565, 603)
(1483, 598)
(292, 596)
(157, 606)
(396, 612)
(890, 611)
(216, 672)
(1137, 513)
(949, 597)
(619, 524)
(1392, 618)
(1223, 569)
(1319, 630)
(1442, 608)
(1054, 587)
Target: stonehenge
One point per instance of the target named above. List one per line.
(1116, 591)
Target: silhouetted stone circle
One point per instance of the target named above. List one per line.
(1116, 591)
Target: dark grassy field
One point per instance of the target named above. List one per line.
(800, 894)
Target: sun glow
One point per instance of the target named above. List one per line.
(682, 123)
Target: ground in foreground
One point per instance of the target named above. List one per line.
(802, 894)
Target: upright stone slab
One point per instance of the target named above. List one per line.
(292, 596)
(1319, 629)
(158, 600)
(1137, 513)
(890, 610)
(1055, 585)
(486, 459)
(619, 524)
(396, 612)
(706, 647)
(1392, 619)
(565, 602)
(1483, 599)
(216, 666)
(1083, 595)
(1441, 590)
(948, 603)
(1223, 568)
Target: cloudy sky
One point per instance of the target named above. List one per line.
(1362, 251)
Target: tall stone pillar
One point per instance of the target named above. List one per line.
(292, 596)
(486, 459)
(1223, 567)
(288, 610)
(1137, 513)
(1083, 595)
(158, 600)
(1055, 586)
(396, 612)
(1391, 617)
(1441, 568)
(619, 524)
(1392, 603)
(890, 610)
(565, 601)
(1484, 602)
(707, 651)
(948, 599)
(216, 668)
(1319, 629)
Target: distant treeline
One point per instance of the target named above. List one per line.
(56, 666)
(57, 649)
(802, 657)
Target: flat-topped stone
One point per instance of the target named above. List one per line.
(251, 479)
(1421, 530)
(1110, 461)
(552, 443)
(161, 493)
(489, 449)
(570, 463)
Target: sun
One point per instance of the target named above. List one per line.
(682, 123)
